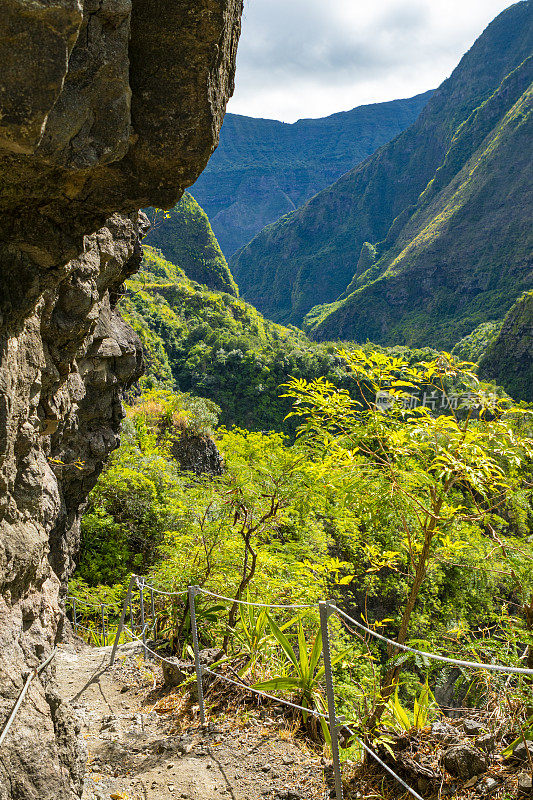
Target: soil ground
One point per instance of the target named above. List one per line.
(143, 745)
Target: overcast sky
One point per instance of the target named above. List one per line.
(310, 58)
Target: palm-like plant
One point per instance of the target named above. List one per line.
(253, 634)
(303, 674)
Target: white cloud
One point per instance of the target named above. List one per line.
(310, 58)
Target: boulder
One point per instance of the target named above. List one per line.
(473, 727)
(465, 761)
(444, 731)
(523, 752)
(525, 785)
(175, 671)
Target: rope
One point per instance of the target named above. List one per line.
(33, 674)
(240, 685)
(160, 591)
(434, 656)
(88, 602)
(247, 603)
(157, 655)
(382, 763)
(312, 712)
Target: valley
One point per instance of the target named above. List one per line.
(266, 420)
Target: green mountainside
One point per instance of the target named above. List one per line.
(456, 186)
(264, 168)
(185, 237)
(214, 345)
(465, 250)
(217, 346)
(472, 347)
(508, 359)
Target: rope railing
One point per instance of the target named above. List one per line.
(248, 603)
(435, 656)
(33, 674)
(85, 602)
(326, 608)
(311, 711)
(167, 594)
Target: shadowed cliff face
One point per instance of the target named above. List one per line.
(105, 106)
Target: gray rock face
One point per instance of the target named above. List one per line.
(105, 106)
(464, 761)
(197, 453)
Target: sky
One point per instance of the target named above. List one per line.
(311, 58)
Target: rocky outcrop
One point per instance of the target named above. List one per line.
(197, 452)
(106, 106)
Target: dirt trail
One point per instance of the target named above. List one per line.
(133, 753)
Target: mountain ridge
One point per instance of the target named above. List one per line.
(309, 257)
(265, 168)
(185, 237)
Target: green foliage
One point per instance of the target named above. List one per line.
(217, 346)
(301, 675)
(508, 358)
(140, 492)
(185, 237)
(424, 709)
(146, 514)
(473, 346)
(439, 483)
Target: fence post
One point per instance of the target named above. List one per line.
(152, 610)
(104, 635)
(193, 591)
(125, 605)
(325, 612)
(74, 617)
(140, 583)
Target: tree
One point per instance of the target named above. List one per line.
(437, 464)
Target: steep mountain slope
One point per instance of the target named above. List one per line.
(310, 256)
(217, 346)
(185, 237)
(466, 250)
(264, 168)
(509, 358)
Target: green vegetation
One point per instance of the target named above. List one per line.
(263, 168)
(185, 237)
(473, 346)
(217, 346)
(146, 514)
(445, 479)
(508, 358)
(419, 522)
(472, 213)
(446, 207)
(392, 480)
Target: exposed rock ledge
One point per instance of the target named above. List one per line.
(105, 106)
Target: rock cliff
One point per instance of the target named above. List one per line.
(106, 106)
